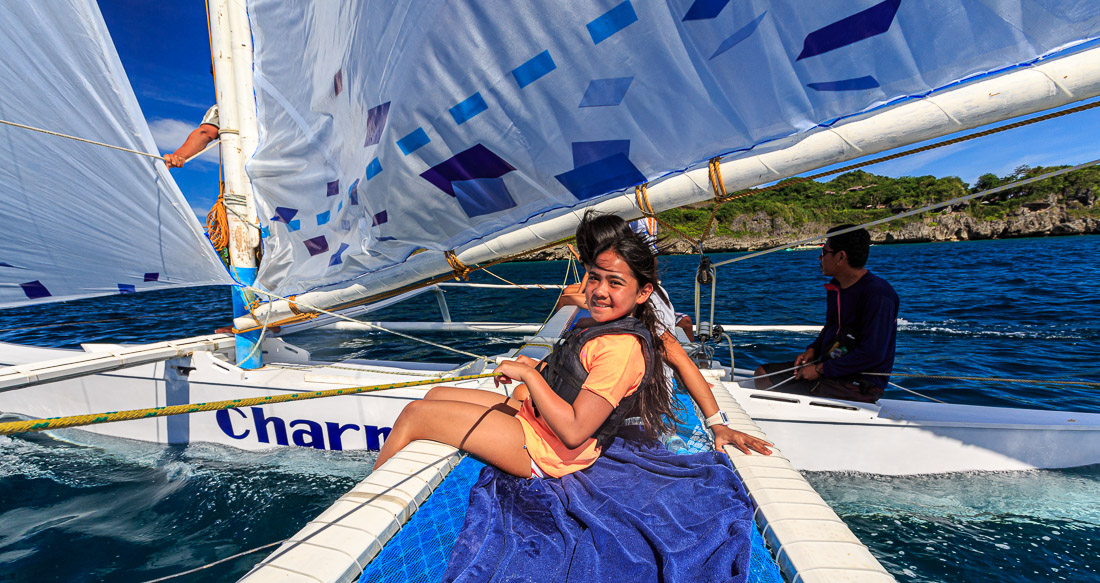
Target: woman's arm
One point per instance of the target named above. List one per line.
(573, 424)
(700, 392)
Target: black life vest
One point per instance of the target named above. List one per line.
(565, 372)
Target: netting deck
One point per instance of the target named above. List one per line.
(418, 553)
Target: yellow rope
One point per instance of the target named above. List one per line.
(112, 416)
(458, 268)
(217, 225)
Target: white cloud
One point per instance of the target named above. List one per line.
(170, 134)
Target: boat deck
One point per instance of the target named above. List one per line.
(806, 538)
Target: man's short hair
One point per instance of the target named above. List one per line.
(856, 244)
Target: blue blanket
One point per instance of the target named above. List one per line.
(639, 514)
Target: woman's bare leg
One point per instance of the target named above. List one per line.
(488, 433)
(487, 399)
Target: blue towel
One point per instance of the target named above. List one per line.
(640, 514)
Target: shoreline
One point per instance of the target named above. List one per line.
(1046, 219)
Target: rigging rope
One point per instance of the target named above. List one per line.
(989, 379)
(95, 143)
(298, 317)
(112, 416)
(910, 213)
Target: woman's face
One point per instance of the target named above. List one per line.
(613, 291)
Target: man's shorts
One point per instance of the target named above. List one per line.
(845, 388)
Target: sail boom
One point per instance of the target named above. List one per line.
(1045, 85)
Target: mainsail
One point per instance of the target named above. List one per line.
(80, 220)
(391, 127)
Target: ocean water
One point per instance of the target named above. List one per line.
(78, 508)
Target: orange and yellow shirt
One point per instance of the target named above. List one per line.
(615, 366)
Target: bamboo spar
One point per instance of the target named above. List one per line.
(1047, 84)
(231, 46)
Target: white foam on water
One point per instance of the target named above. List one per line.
(1069, 495)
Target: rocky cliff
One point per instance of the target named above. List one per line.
(1054, 216)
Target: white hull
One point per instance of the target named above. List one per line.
(909, 437)
(891, 437)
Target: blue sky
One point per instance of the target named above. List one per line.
(166, 52)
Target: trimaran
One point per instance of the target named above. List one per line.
(415, 141)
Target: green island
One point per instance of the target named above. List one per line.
(1062, 205)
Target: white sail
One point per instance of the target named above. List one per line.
(391, 127)
(81, 220)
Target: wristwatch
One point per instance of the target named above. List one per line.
(718, 418)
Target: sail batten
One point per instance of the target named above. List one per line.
(80, 220)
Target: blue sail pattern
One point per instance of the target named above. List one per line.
(459, 120)
(79, 220)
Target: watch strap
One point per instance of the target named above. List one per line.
(718, 418)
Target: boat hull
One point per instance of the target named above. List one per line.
(890, 437)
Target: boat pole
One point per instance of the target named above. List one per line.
(231, 49)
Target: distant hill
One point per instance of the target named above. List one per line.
(1064, 205)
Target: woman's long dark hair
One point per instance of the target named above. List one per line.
(601, 232)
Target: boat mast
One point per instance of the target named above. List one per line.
(231, 47)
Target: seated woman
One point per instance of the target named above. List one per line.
(559, 419)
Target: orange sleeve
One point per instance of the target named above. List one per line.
(615, 366)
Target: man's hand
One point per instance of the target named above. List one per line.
(805, 357)
(174, 160)
(742, 441)
(810, 372)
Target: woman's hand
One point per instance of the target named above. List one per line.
(512, 370)
(742, 441)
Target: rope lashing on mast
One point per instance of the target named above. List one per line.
(112, 416)
(459, 269)
(641, 196)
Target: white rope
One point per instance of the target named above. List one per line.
(365, 323)
(60, 135)
(923, 209)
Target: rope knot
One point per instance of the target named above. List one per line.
(459, 269)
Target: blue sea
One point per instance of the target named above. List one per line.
(80, 508)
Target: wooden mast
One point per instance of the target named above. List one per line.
(231, 46)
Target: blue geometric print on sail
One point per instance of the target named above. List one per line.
(861, 25)
(286, 215)
(856, 84)
(379, 218)
(153, 276)
(373, 168)
(612, 22)
(34, 290)
(336, 258)
(333, 188)
(610, 169)
(469, 177)
(468, 108)
(353, 192)
(534, 69)
(588, 152)
(413, 141)
(323, 218)
(606, 92)
(376, 121)
(742, 34)
(126, 288)
(316, 245)
(705, 9)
